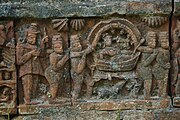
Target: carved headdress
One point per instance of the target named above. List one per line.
(151, 35)
(33, 29)
(57, 38)
(164, 39)
(163, 36)
(75, 41)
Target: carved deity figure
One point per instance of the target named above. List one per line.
(161, 67)
(114, 53)
(58, 58)
(149, 54)
(78, 63)
(176, 60)
(123, 43)
(28, 59)
(107, 48)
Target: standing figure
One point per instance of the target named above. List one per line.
(176, 60)
(30, 67)
(149, 54)
(162, 65)
(177, 71)
(54, 73)
(78, 63)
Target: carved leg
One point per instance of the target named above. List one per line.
(54, 90)
(53, 79)
(165, 87)
(89, 89)
(160, 87)
(147, 89)
(78, 80)
(35, 85)
(27, 86)
(77, 90)
(177, 90)
(89, 85)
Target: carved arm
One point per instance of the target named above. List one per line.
(151, 58)
(61, 63)
(81, 64)
(21, 59)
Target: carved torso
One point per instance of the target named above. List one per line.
(54, 58)
(32, 65)
(163, 56)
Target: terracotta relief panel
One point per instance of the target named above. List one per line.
(8, 81)
(105, 64)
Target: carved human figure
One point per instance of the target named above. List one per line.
(58, 58)
(78, 63)
(161, 67)
(28, 58)
(2, 35)
(149, 54)
(176, 59)
(115, 52)
(107, 48)
(123, 43)
(176, 65)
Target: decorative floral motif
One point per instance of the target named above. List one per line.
(60, 24)
(154, 21)
(77, 24)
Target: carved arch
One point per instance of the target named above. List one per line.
(121, 23)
